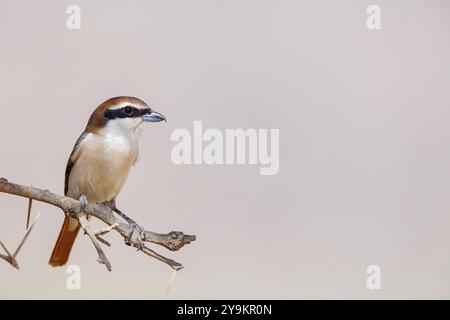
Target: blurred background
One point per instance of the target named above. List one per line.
(363, 115)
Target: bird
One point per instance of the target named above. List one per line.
(101, 160)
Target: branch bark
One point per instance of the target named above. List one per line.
(133, 234)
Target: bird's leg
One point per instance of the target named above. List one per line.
(112, 205)
(137, 234)
(124, 216)
(83, 207)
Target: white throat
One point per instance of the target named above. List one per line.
(130, 128)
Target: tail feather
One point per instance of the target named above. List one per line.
(63, 246)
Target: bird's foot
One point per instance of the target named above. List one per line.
(136, 236)
(84, 203)
(137, 233)
(124, 216)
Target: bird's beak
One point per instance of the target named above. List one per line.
(153, 117)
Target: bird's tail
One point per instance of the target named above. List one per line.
(66, 239)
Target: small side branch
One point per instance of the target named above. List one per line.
(106, 229)
(101, 255)
(103, 231)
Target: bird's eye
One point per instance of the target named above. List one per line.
(128, 110)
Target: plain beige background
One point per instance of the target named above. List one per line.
(364, 144)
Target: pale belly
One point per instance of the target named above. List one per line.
(101, 169)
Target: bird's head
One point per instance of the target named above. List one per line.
(123, 114)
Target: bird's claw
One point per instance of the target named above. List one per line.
(136, 236)
(84, 203)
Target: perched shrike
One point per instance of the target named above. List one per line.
(101, 160)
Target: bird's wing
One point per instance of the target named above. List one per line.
(73, 158)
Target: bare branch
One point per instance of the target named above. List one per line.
(133, 233)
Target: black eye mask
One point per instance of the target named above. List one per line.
(126, 112)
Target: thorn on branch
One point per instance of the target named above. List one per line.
(30, 204)
(11, 258)
(172, 280)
